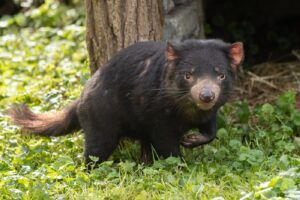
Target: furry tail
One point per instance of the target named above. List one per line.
(49, 124)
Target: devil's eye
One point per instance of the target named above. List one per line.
(221, 77)
(187, 75)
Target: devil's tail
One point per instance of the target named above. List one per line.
(49, 124)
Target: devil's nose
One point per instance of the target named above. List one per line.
(206, 95)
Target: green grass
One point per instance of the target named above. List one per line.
(43, 63)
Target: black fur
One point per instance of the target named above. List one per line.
(142, 95)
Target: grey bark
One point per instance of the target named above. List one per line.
(115, 24)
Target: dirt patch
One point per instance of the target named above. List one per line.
(264, 82)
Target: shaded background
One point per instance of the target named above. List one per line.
(269, 28)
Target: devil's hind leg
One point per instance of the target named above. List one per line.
(100, 141)
(99, 122)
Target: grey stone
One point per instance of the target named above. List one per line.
(168, 5)
(179, 2)
(182, 23)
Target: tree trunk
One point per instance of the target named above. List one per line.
(115, 24)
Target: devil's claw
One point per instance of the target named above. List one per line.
(194, 140)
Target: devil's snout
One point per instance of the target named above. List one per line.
(206, 95)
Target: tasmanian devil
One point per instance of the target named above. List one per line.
(151, 91)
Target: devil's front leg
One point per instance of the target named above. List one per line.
(207, 134)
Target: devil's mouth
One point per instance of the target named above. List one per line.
(205, 106)
(202, 105)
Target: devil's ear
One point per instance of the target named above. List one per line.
(236, 54)
(171, 52)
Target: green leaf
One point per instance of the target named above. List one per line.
(267, 109)
(296, 118)
(287, 183)
(222, 133)
(235, 144)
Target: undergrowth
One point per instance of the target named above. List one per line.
(43, 63)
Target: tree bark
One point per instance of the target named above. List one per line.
(115, 24)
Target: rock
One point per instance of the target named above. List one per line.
(179, 2)
(182, 22)
(168, 5)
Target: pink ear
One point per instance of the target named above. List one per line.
(171, 52)
(236, 54)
